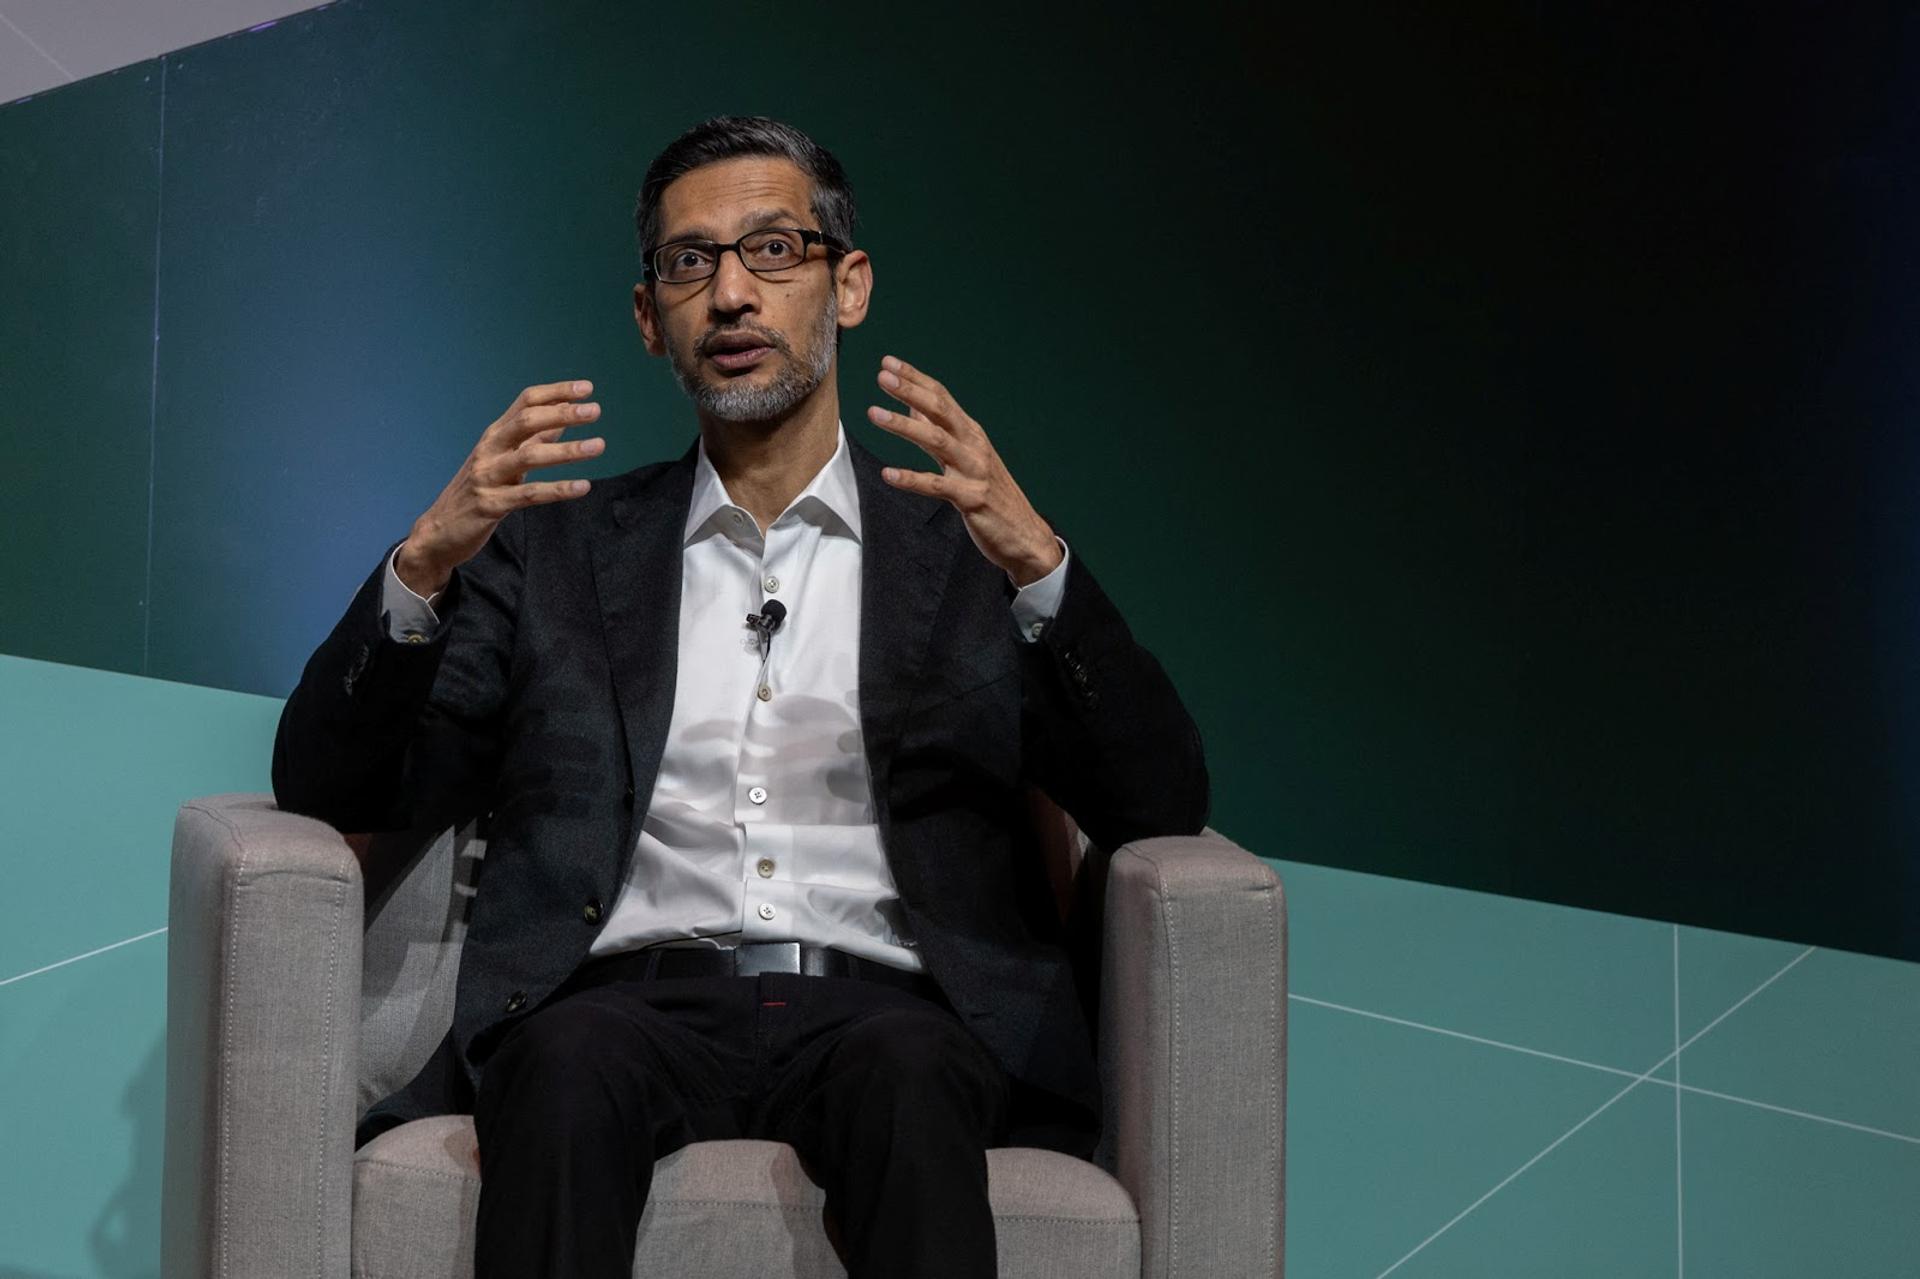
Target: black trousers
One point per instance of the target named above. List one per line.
(890, 1102)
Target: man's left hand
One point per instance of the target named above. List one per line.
(1002, 523)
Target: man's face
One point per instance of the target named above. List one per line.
(794, 314)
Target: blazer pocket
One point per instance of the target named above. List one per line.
(961, 679)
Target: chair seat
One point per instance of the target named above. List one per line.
(721, 1209)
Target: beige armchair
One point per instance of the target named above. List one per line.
(299, 993)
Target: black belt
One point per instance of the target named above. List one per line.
(750, 959)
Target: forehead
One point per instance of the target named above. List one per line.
(716, 201)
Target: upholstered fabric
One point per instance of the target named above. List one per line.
(267, 1071)
(1193, 1051)
(724, 1208)
(263, 1027)
(415, 926)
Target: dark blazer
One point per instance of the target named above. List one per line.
(545, 701)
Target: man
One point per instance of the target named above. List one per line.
(753, 731)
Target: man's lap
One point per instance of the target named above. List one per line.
(748, 1056)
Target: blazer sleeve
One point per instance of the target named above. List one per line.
(385, 734)
(1104, 734)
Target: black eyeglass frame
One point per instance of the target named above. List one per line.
(808, 238)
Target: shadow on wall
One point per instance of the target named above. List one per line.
(125, 1239)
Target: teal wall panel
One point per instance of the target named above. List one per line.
(79, 205)
(93, 766)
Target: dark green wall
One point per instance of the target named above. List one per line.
(1502, 427)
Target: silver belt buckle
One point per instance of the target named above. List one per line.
(753, 958)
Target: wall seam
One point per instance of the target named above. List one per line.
(153, 383)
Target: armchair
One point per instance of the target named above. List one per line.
(300, 991)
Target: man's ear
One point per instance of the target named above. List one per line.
(853, 277)
(648, 318)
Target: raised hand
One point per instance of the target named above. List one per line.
(491, 482)
(1002, 523)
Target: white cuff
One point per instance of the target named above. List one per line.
(410, 619)
(1035, 603)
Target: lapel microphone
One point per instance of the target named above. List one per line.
(767, 621)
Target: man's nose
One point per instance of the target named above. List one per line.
(734, 287)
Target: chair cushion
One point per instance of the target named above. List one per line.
(720, 1209)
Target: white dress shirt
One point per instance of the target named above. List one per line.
(761, 824)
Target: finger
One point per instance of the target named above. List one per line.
(551, 393)
(908, 373)
(544, 491)
(928, 435)
(918, 482)
(542, 420)
(509, 465)
(532, 456)
(931, 404)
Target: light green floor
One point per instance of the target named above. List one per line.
(1479, 1086)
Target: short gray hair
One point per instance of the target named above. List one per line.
(726, 137)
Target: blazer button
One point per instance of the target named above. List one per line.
(516, 1001)
(591, 912)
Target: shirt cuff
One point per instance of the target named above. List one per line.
(1035, 603)
(410, 619)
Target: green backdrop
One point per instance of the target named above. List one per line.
(1500, 427)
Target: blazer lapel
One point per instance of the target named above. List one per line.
(905, 558)
(638, 556)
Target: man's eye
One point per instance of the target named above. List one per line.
(690, 257)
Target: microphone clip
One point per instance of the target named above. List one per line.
(767, 621)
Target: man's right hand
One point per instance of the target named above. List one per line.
(489, 484)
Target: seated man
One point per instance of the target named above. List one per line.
(751, 731)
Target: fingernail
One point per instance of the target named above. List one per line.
(581, 388)
(888, 379)
(889, 362)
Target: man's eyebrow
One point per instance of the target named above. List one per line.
(753, 222)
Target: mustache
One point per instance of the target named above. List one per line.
(760, 336)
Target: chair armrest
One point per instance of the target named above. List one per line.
(1193, 1031)
(263, 990)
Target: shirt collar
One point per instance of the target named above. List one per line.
(831, 492)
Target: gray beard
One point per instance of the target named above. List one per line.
(741, 401)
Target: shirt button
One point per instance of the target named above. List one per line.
(1036, 628)
(765, 694)
(415, 637)
(772, 583)
(765, 868)
(739, 518)
(758, 794)
(766, 910)
(591, 911)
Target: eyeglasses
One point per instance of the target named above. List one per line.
(764, 252)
